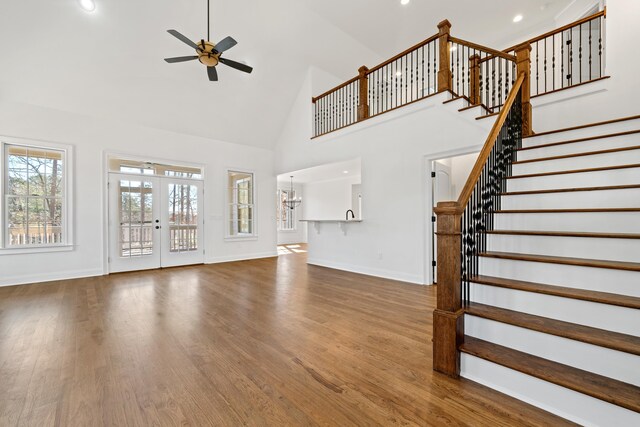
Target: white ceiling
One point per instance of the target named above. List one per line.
(327, 172)
(109, 63)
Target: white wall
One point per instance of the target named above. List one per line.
(392, 240)
(460, 169)
(329, 199)
(90, 138)
(299, 235)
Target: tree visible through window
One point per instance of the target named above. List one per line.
(285, 216)
(241, 206)
(34, 196)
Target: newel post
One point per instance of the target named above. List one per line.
(523, 63)
(448, 317)
(474, 79)
(363, 106)
(444, 72)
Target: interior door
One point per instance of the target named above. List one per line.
(182, 222)
(441, 192)
(134, 222)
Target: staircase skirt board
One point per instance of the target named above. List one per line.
(574, 406)
(598, 360)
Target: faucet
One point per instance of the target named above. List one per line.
(353, 216)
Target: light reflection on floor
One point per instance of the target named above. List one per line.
(296, 248)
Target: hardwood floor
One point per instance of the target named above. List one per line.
(266, 342)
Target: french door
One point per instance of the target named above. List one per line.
(154, 222)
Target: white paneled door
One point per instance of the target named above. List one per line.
(154, 222)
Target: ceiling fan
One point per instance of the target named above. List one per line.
(209, 54)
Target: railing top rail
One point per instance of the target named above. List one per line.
(477, 46)
(340, 86)
(561, 29)
(403, 53)
(488, 146)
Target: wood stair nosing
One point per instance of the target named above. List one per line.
(487, 115)
(560, 291)
(572, 171)
(586, 234)
(586, 153)
(587, 138)
(571, 190)
(606, 122)
(579, 262)
(455, 98)
(584, 210)
(606, 389)
(482, 106)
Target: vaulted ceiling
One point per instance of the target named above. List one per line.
(109, 63)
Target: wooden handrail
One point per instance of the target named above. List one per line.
(483, 48)
(561, 29)
(465, 195)
(403, 53)
(340, 86)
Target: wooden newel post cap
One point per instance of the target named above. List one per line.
(363, 70)
(444, 26)
(522, 46)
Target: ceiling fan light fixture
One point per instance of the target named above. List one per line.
(87, 5)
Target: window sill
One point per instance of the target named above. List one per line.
(240, 238)
(36, 249)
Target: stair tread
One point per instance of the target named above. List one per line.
(581, 262)
(566, 234)
(572, 189)
(600, 337)
(586, 138)
(606, 122)
(586, 153)
(571, 171)
(455, 98)
(469, 107)
(584, 210)
(594, 385)
(560, 291)
(487, 115)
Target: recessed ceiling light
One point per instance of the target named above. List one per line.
(88, 5)
(345, 171)
(404, 2)
(517, 18)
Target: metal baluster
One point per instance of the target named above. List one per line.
(537, 71)
(590, 50)
(580, 51)
(570, 48)
(600, 45)
(493, 82)
(545, 64)
(422, 78)
(562, 57)
(553, 61)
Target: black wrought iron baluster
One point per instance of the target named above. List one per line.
(411, 84)
(493, 82)
(580, 52)
(562, 58)
(537, 71)
(429, 68)
(570, 65)
(435, 66)
(590, 47)
(422, 75)
(600, 45)
(458, 48)
(553, 61)
(405, 78)
(545, 64)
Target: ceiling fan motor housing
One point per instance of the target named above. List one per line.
(207, 55)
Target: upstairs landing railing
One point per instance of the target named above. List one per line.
(482, 75)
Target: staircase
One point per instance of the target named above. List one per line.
(553, 307)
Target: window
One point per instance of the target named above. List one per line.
(241, 206)
(150, 168)
(34, 196)
(285, 216)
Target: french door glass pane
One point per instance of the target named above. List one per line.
(183, 218)
(136, 218)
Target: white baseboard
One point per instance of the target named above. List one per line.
(385, 274)
(49, 277)
(232, 258)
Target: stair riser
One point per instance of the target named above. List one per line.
(610, 317)
(577, 180)
(595, 279)
(581, 147)
(629, 198)
(626, 126)
(582, 162)
(599, 360)
(605, 222)
(574, 406)
(627, 250)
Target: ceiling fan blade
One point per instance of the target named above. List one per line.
(236, 65)
(225, 44)
(180, 59)
(213, 74)
(182, 38)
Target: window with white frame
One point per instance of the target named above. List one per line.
(34, 196)
(241, 205)
(285, 215)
